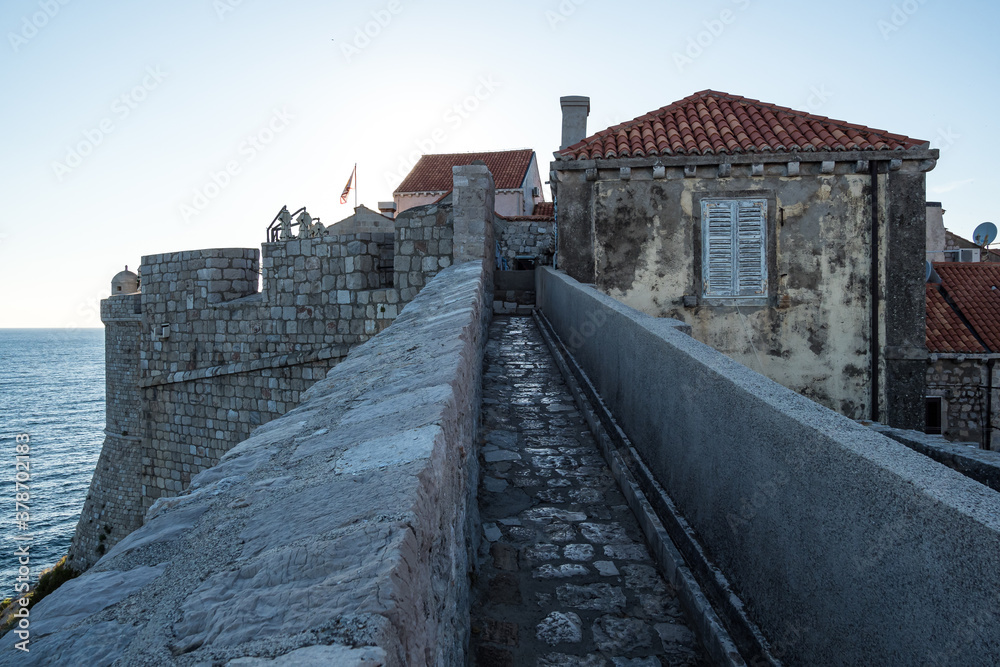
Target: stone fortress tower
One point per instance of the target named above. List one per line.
(111, 510)
(198, 357)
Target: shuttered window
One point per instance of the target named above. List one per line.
(734, 262)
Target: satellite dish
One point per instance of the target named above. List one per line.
(985, 234)
(930, 275)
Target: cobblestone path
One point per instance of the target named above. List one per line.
(564, 575)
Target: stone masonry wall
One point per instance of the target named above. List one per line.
(423, 247)
(962, 386)
(217, 358)
(340, 533)
(232, 365)
(112, 509)
(526, 238)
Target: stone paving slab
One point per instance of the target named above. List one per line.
(564, 577)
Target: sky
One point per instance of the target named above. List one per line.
(136, 128)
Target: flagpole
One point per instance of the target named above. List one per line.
(355, 186)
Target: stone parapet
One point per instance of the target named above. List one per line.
(340, 533)
(845, 546)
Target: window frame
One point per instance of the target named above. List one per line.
(768, 247)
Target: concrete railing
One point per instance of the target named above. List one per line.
(340, 533)
(845, 546)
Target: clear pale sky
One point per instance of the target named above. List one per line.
(134, 128)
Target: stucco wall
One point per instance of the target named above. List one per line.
(636, 233)
(846, 547)
(340, 533)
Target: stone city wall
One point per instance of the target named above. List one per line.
(340, 533)
(113, 507)
(845, 546)
(212, 358)
(215, 358)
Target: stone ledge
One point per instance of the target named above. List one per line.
(280, 361)
(979, 464)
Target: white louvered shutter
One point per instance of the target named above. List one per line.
(751, 270)
(734, 262)
(717, 242)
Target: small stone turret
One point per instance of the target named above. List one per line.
(124, 282)
(114, 506)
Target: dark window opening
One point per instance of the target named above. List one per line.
(934, 407)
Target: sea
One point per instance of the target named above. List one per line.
(52, 395)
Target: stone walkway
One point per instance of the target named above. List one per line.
(564, 575)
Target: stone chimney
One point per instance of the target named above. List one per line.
(387, 208)
(575, 110)
(936, 240)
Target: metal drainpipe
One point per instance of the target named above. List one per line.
(873, 172)
(988, 431)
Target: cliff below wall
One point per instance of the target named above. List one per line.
(339, 533)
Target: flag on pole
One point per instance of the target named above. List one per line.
(347, 188)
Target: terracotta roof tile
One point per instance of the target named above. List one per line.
(945, 330)
(432, 173)
(546, 209)
(974, 288)
(712, 123)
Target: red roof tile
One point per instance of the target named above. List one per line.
(712, 123)
(974, 288)
(945, 330)
(546, 209)
(432, 173)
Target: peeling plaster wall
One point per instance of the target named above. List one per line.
(638, 238)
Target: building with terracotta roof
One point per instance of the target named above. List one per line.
(963, 339)
(515, 172)
(792, 242)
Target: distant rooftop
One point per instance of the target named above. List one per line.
(432, 173)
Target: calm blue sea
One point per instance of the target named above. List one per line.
(51, 388)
